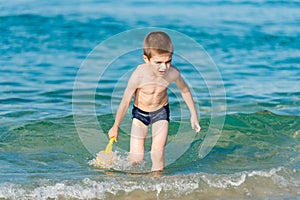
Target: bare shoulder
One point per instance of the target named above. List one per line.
(137, 74)
(174, 73)
(174, 69)
(140, 69)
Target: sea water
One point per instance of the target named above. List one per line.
(254, 47)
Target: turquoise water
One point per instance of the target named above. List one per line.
(255, 46)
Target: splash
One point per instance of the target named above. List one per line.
(275, 183)
(118, 161)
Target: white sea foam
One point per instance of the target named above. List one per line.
(120, 162)
(162, 187)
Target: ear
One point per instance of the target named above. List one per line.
(146, 59)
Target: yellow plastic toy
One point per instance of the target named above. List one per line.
(105, 158)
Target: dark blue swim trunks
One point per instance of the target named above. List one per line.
(150, 117)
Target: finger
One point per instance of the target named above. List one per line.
(198, 129)
(193, 126)
(111, 135)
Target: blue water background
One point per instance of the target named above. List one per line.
(254, 44)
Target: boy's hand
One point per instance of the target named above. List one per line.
(113, 133)
(195, 124)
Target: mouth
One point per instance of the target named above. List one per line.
(162, 72)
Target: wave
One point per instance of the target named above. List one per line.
(273, 183)
(254, 136)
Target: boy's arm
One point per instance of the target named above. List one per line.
(125, 102)
(187, 96)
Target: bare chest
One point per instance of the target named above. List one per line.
(153, 89)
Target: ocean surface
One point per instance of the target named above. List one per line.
(64, 65)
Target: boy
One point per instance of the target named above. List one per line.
(149, 83)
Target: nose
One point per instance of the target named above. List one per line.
(163, 66)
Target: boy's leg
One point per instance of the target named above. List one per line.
(137, 141)
(159, 138)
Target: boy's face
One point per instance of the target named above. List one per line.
(160, 63)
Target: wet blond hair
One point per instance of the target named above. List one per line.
(157, 42)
